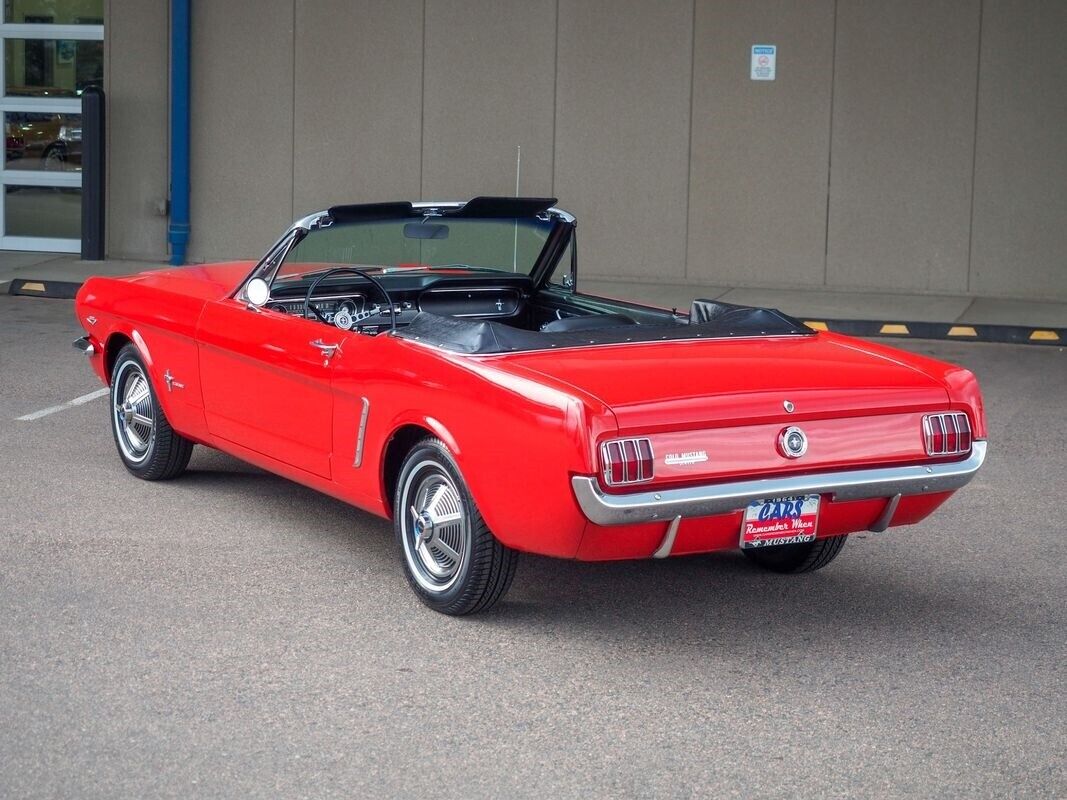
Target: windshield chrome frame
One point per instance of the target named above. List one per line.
(321, 219)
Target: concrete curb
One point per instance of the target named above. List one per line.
(61, 290)
(974, 332)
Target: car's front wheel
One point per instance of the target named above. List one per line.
(451, 559)
(147, 445)
(795, 558)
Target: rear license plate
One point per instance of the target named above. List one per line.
(780, 520)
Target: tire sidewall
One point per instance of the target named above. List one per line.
(127, 356)
(791, 559)
(434, 450)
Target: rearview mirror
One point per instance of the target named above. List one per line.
(425, 230)
(257, 292)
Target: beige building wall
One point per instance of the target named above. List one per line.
(622, 132)
(136, 52)
(905, 82)
(357, 127)
(908, 146)
(241, 181)
(1019, 237)
(488, 88)
(760, 149)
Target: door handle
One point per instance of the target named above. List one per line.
(327, 350)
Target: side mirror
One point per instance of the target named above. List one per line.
(257, 292)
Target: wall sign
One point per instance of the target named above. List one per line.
(763, 61)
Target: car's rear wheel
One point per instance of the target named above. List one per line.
(148, 446)
(795, 558)
(451, 559)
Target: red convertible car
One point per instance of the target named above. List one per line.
(435, 364)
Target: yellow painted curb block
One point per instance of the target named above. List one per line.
(816, 326)
(962, 330)
(894, 328)
(1044, 336)
(32, 287)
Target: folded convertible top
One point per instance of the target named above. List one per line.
(712, 321)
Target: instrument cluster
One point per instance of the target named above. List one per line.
(349, 312)
(327, 306)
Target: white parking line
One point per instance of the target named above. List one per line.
(77, 401)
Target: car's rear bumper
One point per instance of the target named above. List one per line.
(601, 508)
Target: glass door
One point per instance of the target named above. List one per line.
(53, 51)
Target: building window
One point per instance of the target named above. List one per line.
(52, 51)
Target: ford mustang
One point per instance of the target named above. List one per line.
(436, 364)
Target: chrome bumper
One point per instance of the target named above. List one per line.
(84, 345)
(722, 498)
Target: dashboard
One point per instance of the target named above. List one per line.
(471, 302)
(349, 312)
(359, 308)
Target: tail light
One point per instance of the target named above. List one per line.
(624, 461)
(947, 434)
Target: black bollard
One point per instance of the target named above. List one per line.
(93, 177)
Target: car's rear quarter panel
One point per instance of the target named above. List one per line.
(516, 440)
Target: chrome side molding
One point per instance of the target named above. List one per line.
(362, 435)
(722, 498)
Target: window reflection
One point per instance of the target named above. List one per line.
(58, 12)
(43, 211)
(45, 141)
(51, 67)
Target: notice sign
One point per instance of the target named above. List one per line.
(763, 60)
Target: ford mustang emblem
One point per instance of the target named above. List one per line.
(792, 442)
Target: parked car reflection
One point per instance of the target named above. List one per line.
(43, 141)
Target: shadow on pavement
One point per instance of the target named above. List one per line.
(718, 599)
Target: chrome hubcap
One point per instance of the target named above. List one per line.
(134, 418)
(436, 534)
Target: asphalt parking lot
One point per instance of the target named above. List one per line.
(231, 634)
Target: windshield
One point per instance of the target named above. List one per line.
(504, 245)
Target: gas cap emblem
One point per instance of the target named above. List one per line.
(792, 442)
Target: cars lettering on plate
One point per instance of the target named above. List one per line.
(780, 520)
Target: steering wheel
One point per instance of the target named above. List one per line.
(352, 271)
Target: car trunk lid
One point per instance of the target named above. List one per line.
(717, 408)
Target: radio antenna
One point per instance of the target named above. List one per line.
(518, 167)
(515, 246)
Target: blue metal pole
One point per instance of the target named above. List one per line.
(178, 230)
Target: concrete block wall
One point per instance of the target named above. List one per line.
(911, 146)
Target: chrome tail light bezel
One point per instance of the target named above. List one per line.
(627, 462)
(948, 433)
